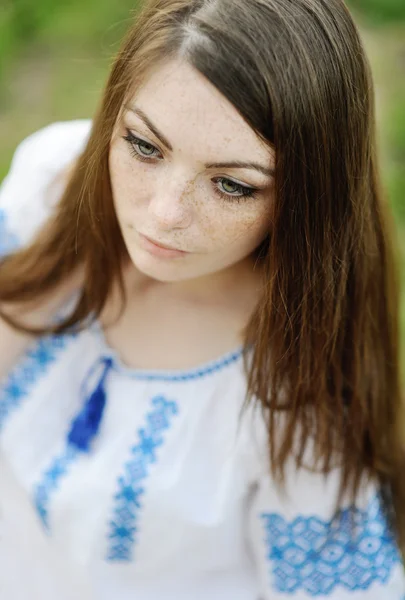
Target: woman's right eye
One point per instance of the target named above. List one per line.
(141, 149)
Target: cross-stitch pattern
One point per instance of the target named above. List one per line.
(315, 556)
(27, 372)
(50, 482)
(127, 501)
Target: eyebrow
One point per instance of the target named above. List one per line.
(235, 164)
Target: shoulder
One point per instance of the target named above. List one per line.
(26, 197)
(52, 143)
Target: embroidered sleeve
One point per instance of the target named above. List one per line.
(303, 549)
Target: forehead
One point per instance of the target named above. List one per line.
(194, 116)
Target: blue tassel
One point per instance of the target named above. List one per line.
(87, 423)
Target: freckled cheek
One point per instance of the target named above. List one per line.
(118, 178)
(237, 230)
(128, 186)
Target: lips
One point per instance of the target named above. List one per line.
(164, 246)
(159, 250)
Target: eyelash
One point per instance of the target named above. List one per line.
(245, 192)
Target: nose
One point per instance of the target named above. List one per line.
(169, 203)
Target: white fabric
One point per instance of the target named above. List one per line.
(174, 500)
(30, 568)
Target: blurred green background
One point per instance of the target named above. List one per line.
(55, 56)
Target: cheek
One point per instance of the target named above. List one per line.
(238, 227)
(118, 175)
(127, 182)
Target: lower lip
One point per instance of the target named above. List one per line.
(158, 250)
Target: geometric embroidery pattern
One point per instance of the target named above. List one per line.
(124, 526)
(50, 482)
(60, 465)
(28, 370)
(352, 552)
(191, 374)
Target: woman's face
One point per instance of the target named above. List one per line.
(177, 178)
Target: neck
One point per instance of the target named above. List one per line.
(239, 280)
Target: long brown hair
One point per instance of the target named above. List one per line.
(325, 332)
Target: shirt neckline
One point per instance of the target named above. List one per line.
(200, 371)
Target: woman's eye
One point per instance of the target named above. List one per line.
(145, 149)
(230, 190)
(139, 148)
(226, 188)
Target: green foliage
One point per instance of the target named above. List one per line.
(20, 21)
(396, 125)
(102, 20)
(379, 11)
(65, 22)
(395, 174)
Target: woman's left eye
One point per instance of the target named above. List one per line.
(230, 190)
(140, 148)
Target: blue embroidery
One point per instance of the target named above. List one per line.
(85, 427)
(50, 482)
(8, 241)
(123, 527)
(317, 556)
(24, 376)
(212, 367)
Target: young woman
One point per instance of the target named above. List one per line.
(199, 338)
